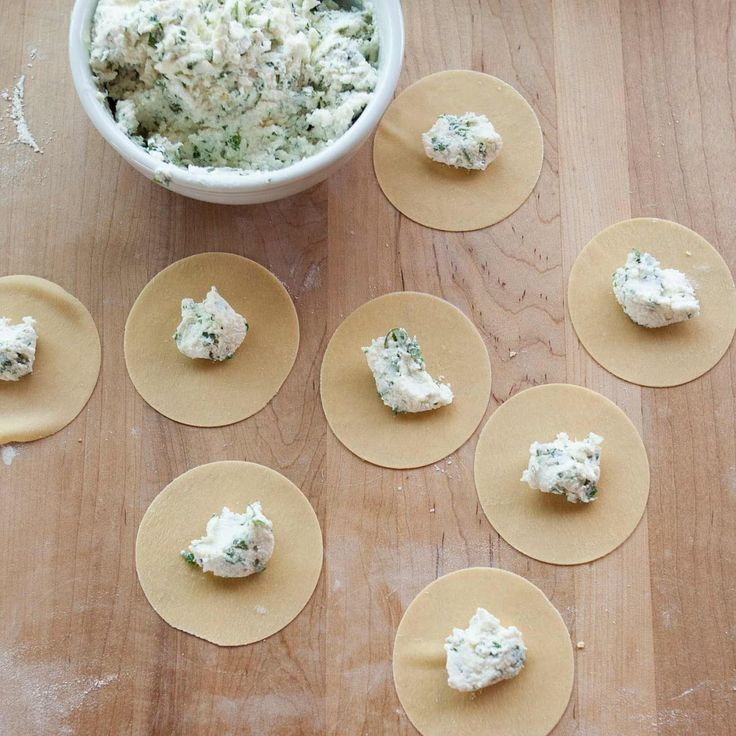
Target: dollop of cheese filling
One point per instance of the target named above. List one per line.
(17, 348)
(401, 379)
(565, 467)
(253, 85)
(652, 296)
(467, 141)
(483, 654)
(235, 545)
(211, 329)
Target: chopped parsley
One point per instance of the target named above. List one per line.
(189, 557)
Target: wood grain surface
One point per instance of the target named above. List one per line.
(636, 100)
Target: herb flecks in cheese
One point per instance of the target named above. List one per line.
(483, 654)
(467, 141)
(565, 467)
(401, 379)
(652, 296)
(211, 329)
(235, 545)
(253, 85)
(17, 348)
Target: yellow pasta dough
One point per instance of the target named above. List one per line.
(665, 356)
(67, 364)
(545, 526)
(447, 198)
(200, 392)
(530, 704)
(228, 611)
(453, 349)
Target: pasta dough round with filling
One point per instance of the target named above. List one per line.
(454, 351)
(446, 197)
(212, 393)
(66, 362)
(674, 354)
(228, 611)
(419, 658)
(541, 525)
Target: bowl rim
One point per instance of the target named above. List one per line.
(233, 180)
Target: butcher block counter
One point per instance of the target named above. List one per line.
(636, 103)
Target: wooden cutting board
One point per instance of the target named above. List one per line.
(636, 102)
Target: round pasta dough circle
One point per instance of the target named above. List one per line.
(665, 356)
(453, 349)
(419, 658)
(443, 197)
(199, 392)
(67, 364)
(544, 526)
(228, 611)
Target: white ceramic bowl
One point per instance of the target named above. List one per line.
(231, 187)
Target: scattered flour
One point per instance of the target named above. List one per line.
(261, 610)
(8, 453)
(667, 615)
(38, 697)
(731, 479)
(714, 687)
(446, 469)
(17, 112)
(313, 278)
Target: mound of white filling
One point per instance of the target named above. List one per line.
(652, 296)
(467, 141)
(17, 348)
(483, 654)
(211, 329)
(401, 380)
(235, 545)
(566, 467)
(254, 85)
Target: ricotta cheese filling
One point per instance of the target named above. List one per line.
(483, 654)
(401, 379)
(253, 85)
(235, 545)
(565, 467)
(467, 141)
(211, 329)
(652, 296)
(17, 348)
